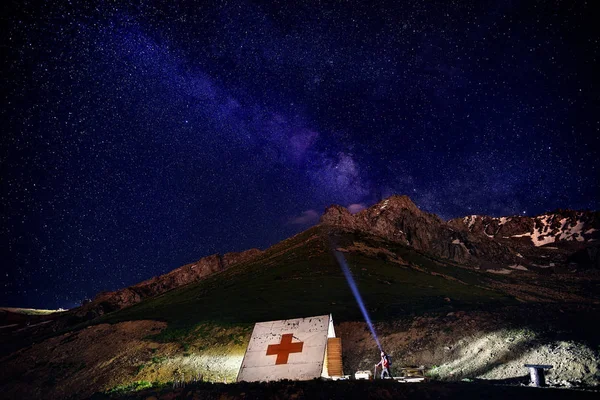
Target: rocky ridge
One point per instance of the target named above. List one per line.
(556, 228)
(493, 243)
(106, 302)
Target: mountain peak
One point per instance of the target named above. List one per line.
(397, 202)
(337, 215)
(341, 216)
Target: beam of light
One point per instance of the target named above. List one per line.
(342, 261)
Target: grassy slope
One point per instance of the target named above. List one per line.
(296, 279)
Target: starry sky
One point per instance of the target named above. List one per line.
(138, 136)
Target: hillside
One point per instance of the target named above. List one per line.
(468, 319)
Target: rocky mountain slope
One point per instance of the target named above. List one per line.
(557, 228)
(564, 238)
(440, 293)
(106, 302)
(481, 241)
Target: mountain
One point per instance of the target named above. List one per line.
(477, 241)
(440, 294)
(558, 228)
(560, 239)
(106, 302)
(557, 239)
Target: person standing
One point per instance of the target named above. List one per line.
(385, 365)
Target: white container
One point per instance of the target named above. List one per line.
(363, 375)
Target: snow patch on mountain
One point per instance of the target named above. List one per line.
(502, 271)
(573, 233)
(384, 205)
(547, 230)
(470, 221)
(519, 267)
(538, 238)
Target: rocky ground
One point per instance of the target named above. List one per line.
(475, 345)
(107, 357)
(81, 362)
(478, 345)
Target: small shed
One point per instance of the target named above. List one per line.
(296, 349)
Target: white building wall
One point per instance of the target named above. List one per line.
(305, 365)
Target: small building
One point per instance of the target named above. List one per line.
(296, 349)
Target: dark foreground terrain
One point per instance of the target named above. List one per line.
(356, 390)
(448, 297)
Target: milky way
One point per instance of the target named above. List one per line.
(139, 136)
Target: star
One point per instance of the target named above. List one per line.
(141, 137)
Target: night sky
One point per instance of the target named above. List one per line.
(140, 136)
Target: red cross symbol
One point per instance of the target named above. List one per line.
(283, 349)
